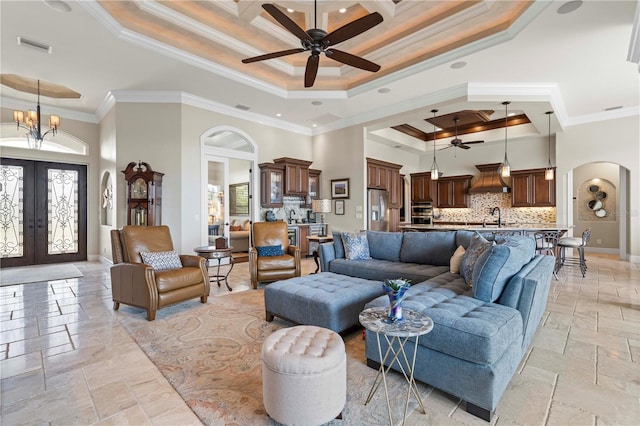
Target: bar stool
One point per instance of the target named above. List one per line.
(574, 243)
(547, 243)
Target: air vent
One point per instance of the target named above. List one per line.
(243, 107)
(36, 45)
(613, 108)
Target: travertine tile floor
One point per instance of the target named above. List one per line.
(65, 359)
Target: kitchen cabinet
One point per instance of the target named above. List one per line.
(423, 188)
(314, 188)
(376, 175)
(530, 189)
(385, 176)
(452, 191)
(271, 185)
(144, 194)
(296, 174)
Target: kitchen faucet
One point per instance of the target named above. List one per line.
(492, 211)
(291, 214)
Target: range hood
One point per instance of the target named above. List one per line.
(489, 180)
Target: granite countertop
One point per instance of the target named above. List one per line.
(489, 227)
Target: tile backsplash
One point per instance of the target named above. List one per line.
(480, 204)
(292, 209)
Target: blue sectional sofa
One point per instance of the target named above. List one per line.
(481, 333)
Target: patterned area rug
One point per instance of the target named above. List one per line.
(38, 273)
(211, 355)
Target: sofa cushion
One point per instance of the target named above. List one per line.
(161, 260)
(428, 248)
(338, 245)
(380, 270)
(274, 263)
(464, 327)
(385, 245)
(356, 245)
(456, 260)
(477, 246)
(270, 250)
(495, 267)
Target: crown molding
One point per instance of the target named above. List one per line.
(604, 116)
(172, 97)
(20, 104)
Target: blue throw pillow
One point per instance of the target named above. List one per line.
(477, 247)
(356, 245)
(495, 267)
(268, 251)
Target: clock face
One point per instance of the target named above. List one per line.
(139, 188)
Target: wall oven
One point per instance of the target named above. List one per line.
(422, 213)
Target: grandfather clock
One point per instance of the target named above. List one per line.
(144, 194)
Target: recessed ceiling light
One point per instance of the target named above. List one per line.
(278, 115)
(569, 7)
(243, 107)
(58, 5)
(314, 125)
(316, 103)
(343, 10)
(290, 10)
(397, 146)
(458, 65)
(384, 90)
(511, 114)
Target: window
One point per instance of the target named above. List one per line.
(239, 198)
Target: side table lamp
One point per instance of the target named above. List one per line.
(322, 207)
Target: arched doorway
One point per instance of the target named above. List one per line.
(229, 159)
(597, 195)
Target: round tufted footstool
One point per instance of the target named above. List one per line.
(304, 375)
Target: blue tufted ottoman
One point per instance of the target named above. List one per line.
(326, 299)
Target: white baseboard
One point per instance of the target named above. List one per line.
(634, 258)
(104, 260)
(601, 250)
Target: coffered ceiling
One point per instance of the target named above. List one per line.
(449, 55)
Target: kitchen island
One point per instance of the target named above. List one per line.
(506, 229)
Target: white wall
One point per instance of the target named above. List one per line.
(108, 146)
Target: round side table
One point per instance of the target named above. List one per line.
(209, 253)
(414, 324)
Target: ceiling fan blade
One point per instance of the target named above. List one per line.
(446, 147)
(272, 55)
(286, 22)
(463, 146)
(311, 71)
(349, 59)
(352, 29)
(472, 142)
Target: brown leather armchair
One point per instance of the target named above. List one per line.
(138, 284)
(272, 268)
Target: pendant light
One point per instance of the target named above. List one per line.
(548, 173)
(505, 168)
(434, 167)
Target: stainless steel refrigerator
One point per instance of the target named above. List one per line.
(378, 210)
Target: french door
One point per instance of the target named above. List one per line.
(43, 212)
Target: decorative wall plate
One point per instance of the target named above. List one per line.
(601, 195)
(601, 213)
(594, 188)
(595, 204)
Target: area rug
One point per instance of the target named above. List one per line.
(38, 273)
(211, 354)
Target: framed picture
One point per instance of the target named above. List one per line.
(339, 207)
(340, 188)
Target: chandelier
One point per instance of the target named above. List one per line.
(31, 122)
(435, 173)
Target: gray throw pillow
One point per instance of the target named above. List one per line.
(477, 247)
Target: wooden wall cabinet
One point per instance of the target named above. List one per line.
(423, 189)
(453, 191)
(144, 195)
(296, 173)
(271, 185)
(314, 188)
(530, 189)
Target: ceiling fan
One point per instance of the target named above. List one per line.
(457, 143)
(317, 41)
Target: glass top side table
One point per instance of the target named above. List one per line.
(211, 252)
(414, 324)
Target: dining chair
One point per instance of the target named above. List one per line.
(547, 243)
